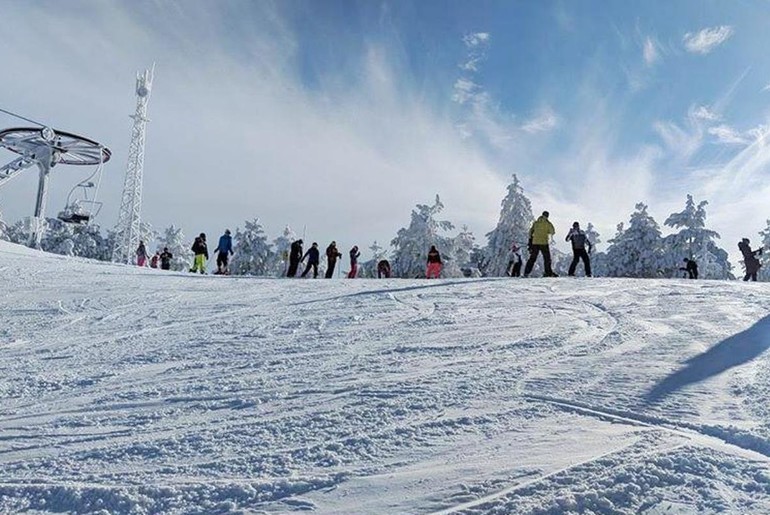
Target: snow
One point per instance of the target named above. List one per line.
(128, 390)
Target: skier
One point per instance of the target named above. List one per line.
(154, 259)
(750, 260)
(514, 265)
(225, 250)
(434, 263)
(201, 251)
(383, 269)
(691, 267)
(354, 255)
(312, 256)
(539, 235)
(141, 254)
(165, 259)
(332, 255)
(579, 242)
(295, 256)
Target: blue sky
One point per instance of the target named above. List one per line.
(336, 117)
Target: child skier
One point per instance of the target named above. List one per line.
(201, 251)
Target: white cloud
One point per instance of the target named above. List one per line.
(477, 45)
(650, 51)
(544, 121)
(704, 113)
(766, 88)
(476, 39)
(728, 135)
(706, 40)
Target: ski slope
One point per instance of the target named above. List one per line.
(126, 390)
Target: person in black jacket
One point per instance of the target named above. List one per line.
(313, 257)
(580, 242)
(295, 256)
(750, 260)
(383, 269)
(201, 251)
(165, 259)
(332, 255)
(691, 267)
(434, 263)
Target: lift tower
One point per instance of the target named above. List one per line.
(130, 216)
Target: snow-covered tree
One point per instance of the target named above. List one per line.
(57, 237)
(463, 245)
(513, 226)
(21, 231)
(412, 243)
(764, 258)
(253, 255)
(694, 241)
(174, 239)
(637, 250)
(281, 247)
(3, 228)
(598, 259)
(369, 268)
(88, 242)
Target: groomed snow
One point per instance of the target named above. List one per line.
(136, 391)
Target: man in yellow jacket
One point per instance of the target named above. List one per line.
(539, 237)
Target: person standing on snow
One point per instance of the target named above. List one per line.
(514, 265)
(201, 251)
(165, 259)
(750, 260)
(313, 257)
(154, 259)
(141, 254)
(579, 242)
(295, 256)
(332, 255)
(354, 255)
(225, 250)
(383, 269)
(434, 263)
(691, 267)
(539, 236)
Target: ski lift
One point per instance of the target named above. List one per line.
(82, 209)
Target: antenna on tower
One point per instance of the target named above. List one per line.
(130, 216)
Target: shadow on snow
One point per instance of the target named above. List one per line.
(735, 350)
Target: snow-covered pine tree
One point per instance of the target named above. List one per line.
(21, 231)
(88, 242)
(58, 238)
(636, 251)
(412, 243)
(764, 258)
(694, 241)
(281, 247)
(252, 252)
(173, 237)
(369, 268)
(3, 228)
(463, 245)
(513, 226)
(598, 259)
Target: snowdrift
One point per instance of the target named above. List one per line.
(137, 391)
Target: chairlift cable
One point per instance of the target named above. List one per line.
(22, 117)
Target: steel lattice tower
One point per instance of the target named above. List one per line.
(130, 217)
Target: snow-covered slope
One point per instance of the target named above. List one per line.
(136, 391)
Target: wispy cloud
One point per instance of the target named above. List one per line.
(544, 121)
(477, 44)
(728, 135)
(650, 51)
(706, 40)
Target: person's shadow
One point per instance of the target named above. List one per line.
(735, 350)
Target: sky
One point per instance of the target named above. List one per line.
(338, 117)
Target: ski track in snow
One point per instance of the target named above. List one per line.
(136, 391)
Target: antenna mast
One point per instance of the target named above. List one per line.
(130, 217)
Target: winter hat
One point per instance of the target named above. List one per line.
(576, 224)
(545, 214)
(227, 231)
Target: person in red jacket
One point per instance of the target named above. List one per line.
(434, 263)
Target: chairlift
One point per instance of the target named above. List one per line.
(82, 209)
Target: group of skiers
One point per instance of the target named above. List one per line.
(313, 257)
(540, 235)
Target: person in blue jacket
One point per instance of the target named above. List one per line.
(224, 249)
